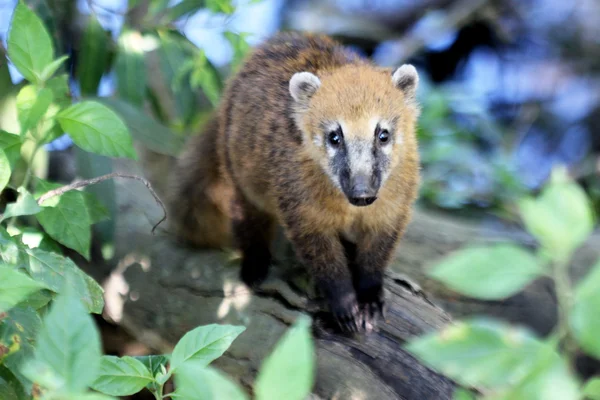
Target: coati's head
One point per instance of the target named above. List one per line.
(357, 122)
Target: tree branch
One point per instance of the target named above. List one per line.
(88, 182)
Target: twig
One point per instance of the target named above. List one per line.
(93, 181)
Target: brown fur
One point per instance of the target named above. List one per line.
(260, 154)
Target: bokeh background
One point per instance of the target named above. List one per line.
(510, 88)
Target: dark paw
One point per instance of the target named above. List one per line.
(255, 268)
(372, 301)
(347, 315)
(372, 312)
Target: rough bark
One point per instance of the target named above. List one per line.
(159, 290)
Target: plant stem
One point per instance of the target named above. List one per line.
(564, 297)
(28, 173)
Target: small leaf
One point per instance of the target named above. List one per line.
(94, 57)
(42, 374)
(181, 9)
(130, 68)
(67, 220)
(288, 373)
(29, 44)
(561, 218)
(480, 352)
(95, 128)
(206, 76)
(58, 272)
(155, 364)
(96, 210)
(32, 106)
(488, 273)
(18, 330)
(69, 343)
(204, 344)
(53, 67)
(25, 205)
(591, 390)
(240, 47)
(15, 286)
(550, 379)
(223, 6)
(11, 145)
(4, 170)
(10, 387)
(462, 394)
(122, 376)
(583, 317)
(144, 128)
(194, 380)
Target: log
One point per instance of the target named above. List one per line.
(159, 289)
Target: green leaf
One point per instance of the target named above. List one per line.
(240, 47)
(206, 76)
(204, 344)
(94, 57)
(96, 210)
(194, 380)
(222, 6)
(480, 353)
(488, 273)
(95, 128)
(560, 218)
(15, 287)
(130, 68)
(462, 394)
(66, 219)
(25, 205)
(11, 145)
(155, 364)
(288, 372)
(58, 272)
(181, 9)
(32, 105)
(29, 45)
(583, 317)
(122, 376)
(42, 374)
(53, 67)
(174, 53)
(550, 379)
(59, 85)
(69, 343)
(10, 387)
(591, 389)
(4, 170)
(11, 251)
(18, 328)
(144, 128)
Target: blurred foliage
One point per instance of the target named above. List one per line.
(508, 362)
(463, 152)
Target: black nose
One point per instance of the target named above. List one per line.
(362, 193)
(362, 201)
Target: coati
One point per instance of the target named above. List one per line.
(321, 142)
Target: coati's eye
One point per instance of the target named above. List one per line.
(383, 135)
(335, 137)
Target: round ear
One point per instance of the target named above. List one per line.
(406, 79)
(303, 86)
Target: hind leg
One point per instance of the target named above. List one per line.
(253, 232)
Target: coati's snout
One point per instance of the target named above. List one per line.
(361, 190)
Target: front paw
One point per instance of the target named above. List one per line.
(346, 314)
(372, 305)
